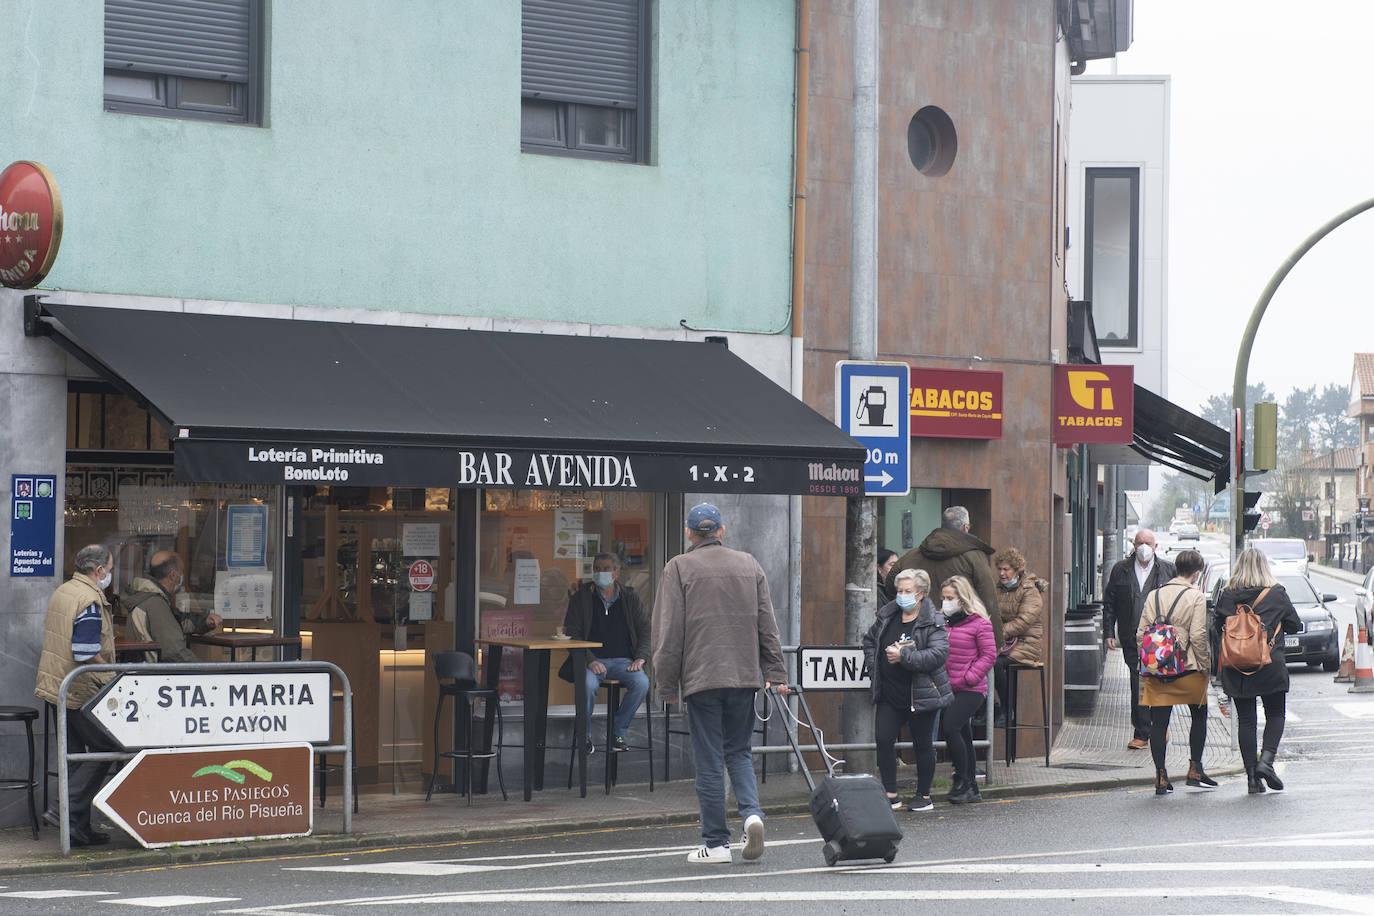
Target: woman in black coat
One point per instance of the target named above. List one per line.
(905, 651)
(1254, 585)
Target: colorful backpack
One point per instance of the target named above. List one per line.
(1161, 655)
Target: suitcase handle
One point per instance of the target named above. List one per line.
(791, 733)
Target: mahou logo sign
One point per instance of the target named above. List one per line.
(30, 224)
(1093, 404)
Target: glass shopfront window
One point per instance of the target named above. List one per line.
(377, 596)
(226, 537)
(536, 547)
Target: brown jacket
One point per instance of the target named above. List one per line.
(1022, 627)
(56, 662)
(713, 624)
(1189, 620)
(946, 552)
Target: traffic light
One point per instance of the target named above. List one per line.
(1266, 436)
(1250, 514)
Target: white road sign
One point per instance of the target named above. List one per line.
(194, 709)
(833, 668)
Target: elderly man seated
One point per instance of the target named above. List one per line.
(151, 606)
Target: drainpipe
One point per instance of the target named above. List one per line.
(794, 508)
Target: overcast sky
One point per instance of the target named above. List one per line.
(1272, 134)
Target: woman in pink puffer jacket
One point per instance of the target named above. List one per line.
(972, 653)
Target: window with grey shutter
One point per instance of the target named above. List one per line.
(583, 77)
(184, 58)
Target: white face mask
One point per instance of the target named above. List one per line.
(603, 579)
(105, 581)
(1144, 553)
(949, 605)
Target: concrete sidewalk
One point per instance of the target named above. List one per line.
(1090, 753)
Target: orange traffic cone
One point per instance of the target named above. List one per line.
(1364, 665)
(1346, 674)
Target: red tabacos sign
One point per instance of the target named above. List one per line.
(956, 403)
(1093, 404)
(30, 224)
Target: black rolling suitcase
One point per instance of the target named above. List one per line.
(852, 813)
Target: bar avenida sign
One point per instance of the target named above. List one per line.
(30, 224)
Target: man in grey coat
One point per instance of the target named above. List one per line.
(715, 643)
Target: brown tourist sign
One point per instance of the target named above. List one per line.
(212, 795)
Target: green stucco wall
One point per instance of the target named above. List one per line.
(389, 173)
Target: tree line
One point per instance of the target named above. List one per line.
(1313, 422)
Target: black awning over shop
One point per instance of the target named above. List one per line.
(1177, 439)
(263, 400)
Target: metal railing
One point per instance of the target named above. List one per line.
(792, 652)
(64, 756)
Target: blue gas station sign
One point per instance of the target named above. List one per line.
(871, 406)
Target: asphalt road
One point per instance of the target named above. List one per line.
(1304, 850)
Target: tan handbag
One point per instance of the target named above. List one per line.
(1245, 647)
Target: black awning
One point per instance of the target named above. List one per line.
(1177, 439)
(264, 400)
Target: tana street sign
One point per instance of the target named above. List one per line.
(212, 795)
(186, 710)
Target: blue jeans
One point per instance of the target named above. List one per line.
(722, 725)
(633, 684)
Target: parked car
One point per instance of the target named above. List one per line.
(1364, 598)
(1187, 531)
(1285, 554)
(1318, 643)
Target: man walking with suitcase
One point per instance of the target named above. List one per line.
(715, 643)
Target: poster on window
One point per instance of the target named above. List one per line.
(567, 532)
(243, 595)
(508, 625)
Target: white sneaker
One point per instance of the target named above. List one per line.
(753, 836)
(710, 855)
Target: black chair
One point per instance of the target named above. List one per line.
(613, 689)
(1012, 727)
(460, 671)
(28, 715)
(323, 767)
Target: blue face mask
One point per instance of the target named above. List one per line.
(603, 579)
(906, 602)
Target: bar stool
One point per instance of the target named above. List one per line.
(323, 768)
(1012, 727)
(28, 715)
(459, 669)
(613, 689)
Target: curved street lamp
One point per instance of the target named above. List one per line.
(1243, 364)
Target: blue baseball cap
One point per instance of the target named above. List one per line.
(704, 518)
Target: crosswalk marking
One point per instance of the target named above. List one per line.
(1071, 868)
(493, 863)
(171, 900)
(1355, 710)
(53, 895)
(1306, 896)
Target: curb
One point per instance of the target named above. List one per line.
(112, 859)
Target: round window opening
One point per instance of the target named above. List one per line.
(931, 141)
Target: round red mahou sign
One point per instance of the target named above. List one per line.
(30, 224)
